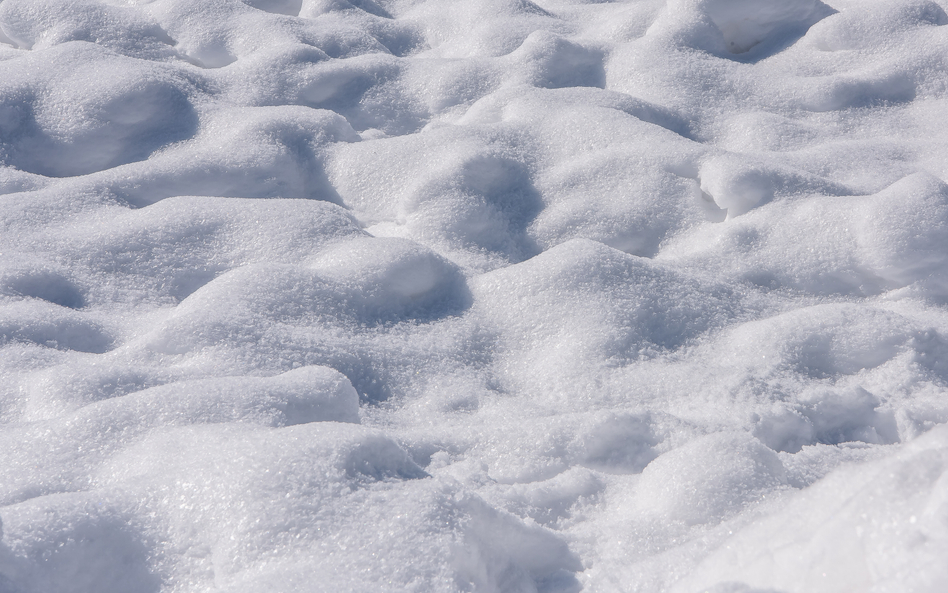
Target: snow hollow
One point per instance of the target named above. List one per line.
(505, 296)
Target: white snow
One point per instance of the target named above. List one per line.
(473, 295)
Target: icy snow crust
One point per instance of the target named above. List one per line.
(489, 295)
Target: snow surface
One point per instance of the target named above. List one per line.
(473, 295)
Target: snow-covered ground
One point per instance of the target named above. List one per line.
(473, 295)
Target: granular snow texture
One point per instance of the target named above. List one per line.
(473, 295)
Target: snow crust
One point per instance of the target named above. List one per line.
(484, 295)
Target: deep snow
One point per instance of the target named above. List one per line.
(473, 295)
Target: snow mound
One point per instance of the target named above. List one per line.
(845, 530)
(740, 25)
(266, 503)
(678, 486)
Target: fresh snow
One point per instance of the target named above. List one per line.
(473, 295)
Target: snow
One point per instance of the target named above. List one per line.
(488, 295)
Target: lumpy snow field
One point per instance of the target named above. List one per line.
(473, 295)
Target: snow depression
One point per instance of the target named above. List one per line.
(473, 295)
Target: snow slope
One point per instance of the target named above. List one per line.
(473, 295)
